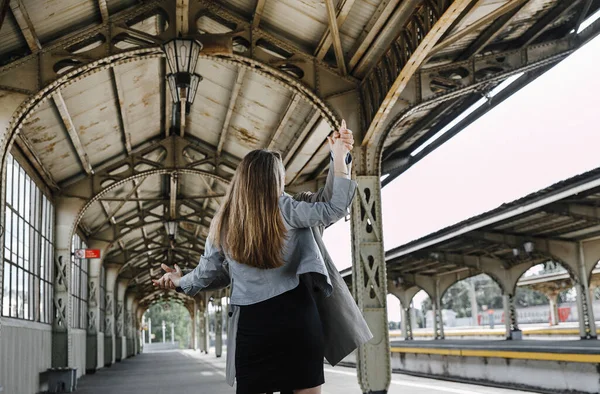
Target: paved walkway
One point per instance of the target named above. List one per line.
(185, 371)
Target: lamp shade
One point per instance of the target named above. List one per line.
(190, 83)
(171, 228)
(191, 92)
(182, 54)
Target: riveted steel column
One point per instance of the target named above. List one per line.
(406, 323)
(194, 316)
(91, 347)
(204, 325)
(128, 325)
(66, 213)
(112, 271)
(135, 329)
(510, 318)
(218, 324)
(587, 322)
(369, 283)
(120, 340)
(438, 318)
(93, 328)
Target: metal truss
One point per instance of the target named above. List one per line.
(117, 34)
(165, 157)
(383, 85)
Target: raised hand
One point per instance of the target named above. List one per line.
(346, 136)
(341, 142)
(170, 280)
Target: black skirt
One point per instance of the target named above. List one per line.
(279, 344)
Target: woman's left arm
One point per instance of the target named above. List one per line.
(210, 273)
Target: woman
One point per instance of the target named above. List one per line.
(261, 241)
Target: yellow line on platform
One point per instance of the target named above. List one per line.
(567, 357)
(540, 331)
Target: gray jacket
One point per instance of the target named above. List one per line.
(305, 256)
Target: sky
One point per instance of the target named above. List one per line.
(546, 132)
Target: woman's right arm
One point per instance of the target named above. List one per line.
(300, 214)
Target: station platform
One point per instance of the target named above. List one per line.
(187, 371)
(541, 366)
(533, 331)
(566, 351)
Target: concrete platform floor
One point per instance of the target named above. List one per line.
(185, 371)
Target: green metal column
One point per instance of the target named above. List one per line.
(438, 318)
(112, 270)
(67, 210)
(587, 321)
(218, 324)
(93, 328)
(370, 284)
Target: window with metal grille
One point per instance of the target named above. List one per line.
(28, 248)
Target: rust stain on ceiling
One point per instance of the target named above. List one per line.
(246, 137)
(82, 128)
(46, 137)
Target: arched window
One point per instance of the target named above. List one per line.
(28, 248)
(79, 285)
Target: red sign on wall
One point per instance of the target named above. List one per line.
(87, 253)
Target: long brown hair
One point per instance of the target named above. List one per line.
(249, 225)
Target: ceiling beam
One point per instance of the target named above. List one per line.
(575, 211)
(413, 64)
(173, 196)
(24, 22)
(583, 14)
(232, 100)
(499, 98)
(300, 138)
(458, 20)
(118, 208)
(103, 11)
(371, 31)
(72, 132)
(104, 206)
(284, 120)
(542, 24)
(159, 199)
(489, 34)
(335, 32)
(27, 148)
(289, 45)
(327, 39)
(140, 209)
(478, 24)
(165, 104)
(118, 92)
(423, 123)
(258, 11)
(182, 13)
(3, 10)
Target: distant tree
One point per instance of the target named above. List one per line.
(170, 312)
(426, 305)
(458, 297)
